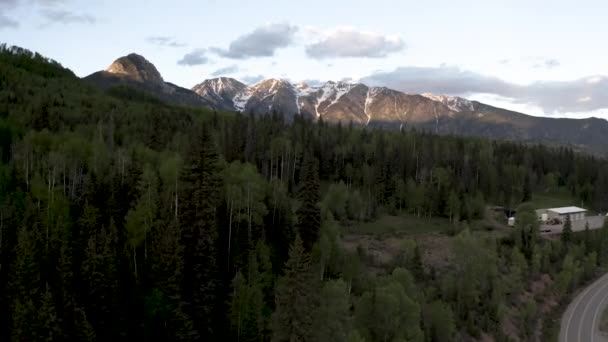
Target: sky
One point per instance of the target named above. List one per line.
(539, 57)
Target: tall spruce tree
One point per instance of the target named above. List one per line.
(24, 286)
(295, 298)
(100, 275)
(198, 220)
(567, 232)
(49, 323)
(309, 212)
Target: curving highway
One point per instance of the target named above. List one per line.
(581, 320)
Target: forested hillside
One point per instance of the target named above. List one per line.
(123, 218)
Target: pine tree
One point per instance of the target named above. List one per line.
(295, 298)
(200, 233)
(415, 265)
(453, 206)
(249, 310)
(100, 273)
(587, 239)
(64, 268)
(50, 329)
(527, 189)
(567, 233)
(166, 271)
(24, 321)
(309, 213)
(141, 218)
(83, 329)
(24, 286)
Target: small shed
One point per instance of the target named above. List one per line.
(511, 221)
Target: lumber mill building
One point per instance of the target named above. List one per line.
(576, 214)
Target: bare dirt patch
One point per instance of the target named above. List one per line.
(435, 249)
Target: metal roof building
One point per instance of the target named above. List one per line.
(567, 210)
(575, 213)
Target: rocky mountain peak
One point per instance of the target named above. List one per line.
(220, 86)
(272, 84)
(220, 91)
(135, 67)
(138, 73)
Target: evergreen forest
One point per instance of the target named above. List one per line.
(123, 218)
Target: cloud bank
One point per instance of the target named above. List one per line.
(266, 40)
(582, 95)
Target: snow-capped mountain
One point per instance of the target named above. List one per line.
(220, 91)
(333, 101)
(362, 105)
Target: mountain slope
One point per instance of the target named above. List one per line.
(135, 71)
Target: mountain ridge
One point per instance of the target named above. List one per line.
(387, 108)
(359, 104)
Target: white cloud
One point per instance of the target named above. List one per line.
(264, 41)
(6, 21)
(348, 42)
(252, 79)
(594, 79)
(585, 99)
(66, 17)
(164, 41)
(195, 57)
(231, 69)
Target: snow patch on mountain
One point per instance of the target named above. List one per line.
(457, 104)
(331, 91)
(221, 85)
(341, 89)
(241, 99)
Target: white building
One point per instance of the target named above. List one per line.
(575, 213)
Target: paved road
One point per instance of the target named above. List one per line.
(581, 321)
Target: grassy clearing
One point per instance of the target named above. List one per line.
(554, 199)
(403, 224)
(383, 239)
